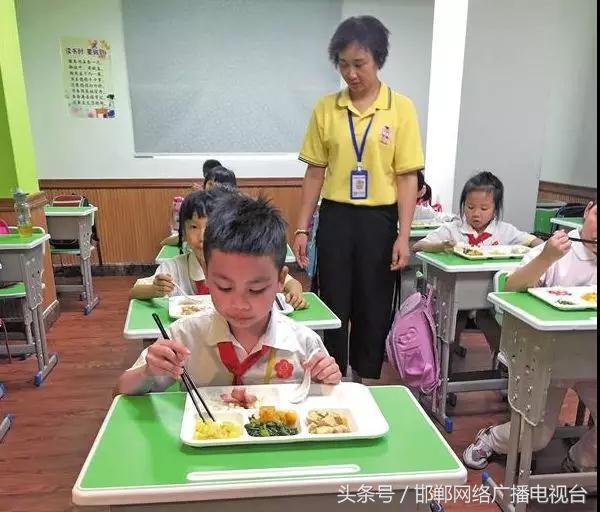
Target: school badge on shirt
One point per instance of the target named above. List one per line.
(385, 134)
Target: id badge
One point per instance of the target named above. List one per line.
(359, 184)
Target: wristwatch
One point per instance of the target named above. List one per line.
(302, 232)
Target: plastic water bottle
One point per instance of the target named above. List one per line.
(24, 226)
(175, 207)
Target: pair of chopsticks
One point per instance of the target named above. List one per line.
(185, 377)
(573, 239)
(278, 301)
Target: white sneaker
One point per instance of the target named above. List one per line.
(477, 454)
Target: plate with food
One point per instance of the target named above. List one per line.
(425, 224)
(330, 413)
(491, 252)
(191, 305)
(575, 298)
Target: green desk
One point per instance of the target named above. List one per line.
(460, 285)
(543, 220)
(568, 222)
(540, 344)
(75, 223)
(22, 259)
(138, 460)
(139, 323)
(170, 251)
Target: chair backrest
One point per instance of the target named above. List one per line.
(571, 210)
(72, 200)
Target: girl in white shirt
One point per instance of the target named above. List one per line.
(481, 205)
(560, 262)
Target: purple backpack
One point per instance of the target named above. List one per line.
(411, 343)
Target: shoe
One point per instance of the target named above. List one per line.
(568, 465)
(471, 325)
(478, 454)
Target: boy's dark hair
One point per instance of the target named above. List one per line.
(365, 31)
(244, 225)
(220, 174)
(422, 183)
(195, 202)
(487, 182)
(208, 165)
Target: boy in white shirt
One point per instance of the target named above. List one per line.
(559, 262)
(245, 340)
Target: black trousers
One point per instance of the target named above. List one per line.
(354, 247)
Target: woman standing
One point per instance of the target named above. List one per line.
(363, 150)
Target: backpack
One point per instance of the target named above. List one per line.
(411, 343)
(70, 200)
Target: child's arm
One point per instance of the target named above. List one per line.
(164, 365)
(324, 369)
(292, 290)
(529, 275)
(159, 286)
(170, 240)
(427, 246)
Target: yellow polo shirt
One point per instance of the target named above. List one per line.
(393, 145)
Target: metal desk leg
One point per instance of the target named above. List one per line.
(48, 363)
(5, 426)
(85, 251)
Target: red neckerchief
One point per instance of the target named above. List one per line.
(230, 360)
(477, 240)
(201, 287)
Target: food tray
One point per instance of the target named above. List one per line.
(567, 298)
(352, 400)
(492, 252)
(425, 224)
(197, 304)
(181, 306)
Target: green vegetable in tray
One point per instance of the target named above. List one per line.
(565, 302)
(257, 428)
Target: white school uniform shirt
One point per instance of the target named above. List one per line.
(500, 233)
(185, 269)
(579, 267)
(290, 345)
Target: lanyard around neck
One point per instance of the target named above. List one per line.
(359, 150)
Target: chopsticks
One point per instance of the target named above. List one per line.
(278, 301)
(185, 377)
(582, 240)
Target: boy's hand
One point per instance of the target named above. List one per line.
(556, 247)
(166, 358)
(324, 369)
(448, 245)
(163, 285)
(296, 300)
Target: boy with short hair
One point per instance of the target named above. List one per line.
(245, 340)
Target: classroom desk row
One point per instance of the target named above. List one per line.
(171, 251)
(139, 324)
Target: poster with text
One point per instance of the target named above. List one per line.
(87, 76)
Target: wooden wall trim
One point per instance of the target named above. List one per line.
(549, 188)
(162, 183)
(34, 200)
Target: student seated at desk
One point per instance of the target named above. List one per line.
(185, 274)
(559, 262)
(245, 340)
(480, 224)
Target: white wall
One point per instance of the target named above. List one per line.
(570, 148)
(505, 92)
(67, 147)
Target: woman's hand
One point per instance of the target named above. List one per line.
(400, 254)
(299, 248)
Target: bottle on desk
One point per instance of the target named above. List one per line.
(175, 207)
(23, 213)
